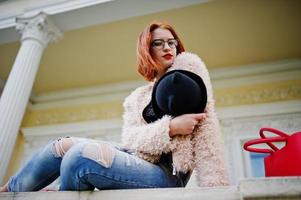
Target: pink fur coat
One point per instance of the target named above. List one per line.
(201, 150)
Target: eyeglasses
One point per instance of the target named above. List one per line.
(160, 43)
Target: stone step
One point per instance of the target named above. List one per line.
(258, 188)
(226, 193)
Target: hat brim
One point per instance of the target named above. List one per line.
(152, 107)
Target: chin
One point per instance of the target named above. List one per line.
(167, 65)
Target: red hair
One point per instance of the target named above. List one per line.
(147, 66)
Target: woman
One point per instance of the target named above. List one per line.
(158, 154)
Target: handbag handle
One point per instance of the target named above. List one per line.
(275, 131)
(260, 141)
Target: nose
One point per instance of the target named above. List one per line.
(166, 46)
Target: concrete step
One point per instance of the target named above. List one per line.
(259, 188)
(227, 193)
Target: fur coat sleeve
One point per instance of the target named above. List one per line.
(204, 145)
(148, 141)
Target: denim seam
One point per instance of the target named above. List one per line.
(120, 181)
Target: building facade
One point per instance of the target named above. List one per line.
(66, 66)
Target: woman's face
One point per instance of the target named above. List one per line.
(163, 48)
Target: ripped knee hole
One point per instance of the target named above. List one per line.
(62, 145)
(102, 153)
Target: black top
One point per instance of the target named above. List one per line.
(166, 164)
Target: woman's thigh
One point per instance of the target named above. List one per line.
(100, 165)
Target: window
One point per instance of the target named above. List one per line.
(257, 164)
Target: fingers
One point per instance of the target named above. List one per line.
(199, 116)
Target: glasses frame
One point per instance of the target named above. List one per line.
(164, 42)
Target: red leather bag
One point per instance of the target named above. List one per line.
(281, 162)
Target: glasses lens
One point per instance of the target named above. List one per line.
(172, 43)
(158, 43)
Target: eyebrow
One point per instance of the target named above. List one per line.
(163, 39)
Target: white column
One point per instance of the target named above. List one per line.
(36, 32)
(1, 86)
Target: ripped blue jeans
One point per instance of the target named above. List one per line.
(85, 164)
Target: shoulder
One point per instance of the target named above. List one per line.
(189, 61)
(188, 57)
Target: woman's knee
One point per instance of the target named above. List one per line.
(82, 159)
(60, 146)
(101, 152)
(71, 156)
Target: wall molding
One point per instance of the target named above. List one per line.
(99, 90)
(274, 108)
(238, 76)
(256, 68)
(94, 128)
(229, 113)
(257, 73)
(88, 95)
(89, 112)
(253, 95)
(114, 110)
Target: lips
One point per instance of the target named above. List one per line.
(167, 56)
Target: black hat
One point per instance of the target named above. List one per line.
(177, 92)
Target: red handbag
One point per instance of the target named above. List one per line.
(281, 162)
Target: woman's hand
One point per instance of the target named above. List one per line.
(185, 124)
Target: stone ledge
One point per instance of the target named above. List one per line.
(271, 187)
(223, 193)
(259, 188)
